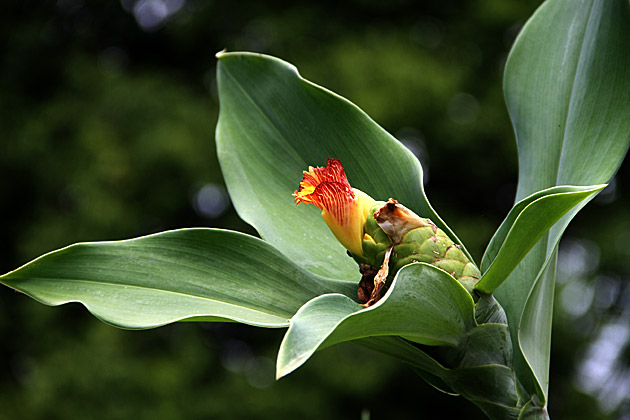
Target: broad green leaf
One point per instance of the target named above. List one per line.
(479, 367)
(194, 274)
(272, 126)
(424, 304)
(567, 89)
(526, 223)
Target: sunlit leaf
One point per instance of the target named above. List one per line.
(272, 126)
(197, 274)
(567, 88)
(526, 223)
(424, 304)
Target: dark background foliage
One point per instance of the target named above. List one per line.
(107, 114)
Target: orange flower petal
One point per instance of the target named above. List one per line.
(344, 209)
(326, 188)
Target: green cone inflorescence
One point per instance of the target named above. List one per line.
(414, 239)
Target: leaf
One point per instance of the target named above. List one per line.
(490, 384)
(424, 365)
(567, 89)
(172, 276)
(535, 323)
(424, 304)
(272, 126)
(404, 351)
(487, 344)
(488, 311)
(570, 105)
(435, 381)
(526, 223)
(499, 236)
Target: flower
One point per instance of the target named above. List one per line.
(344, 209)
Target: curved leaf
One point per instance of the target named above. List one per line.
(424, 365)
(424, 304)
(499, 236)
(567, 89)
(528, 221)
(487, 344)
(535, 323)
(172, 276)
(272, 126)
(404, 351)
(570, 105)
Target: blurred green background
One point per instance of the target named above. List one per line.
(107, 114)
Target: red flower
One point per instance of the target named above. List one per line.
(344, 208)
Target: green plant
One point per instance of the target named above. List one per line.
(567, 88)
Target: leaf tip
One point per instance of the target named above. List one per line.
(280, 374)
(283, 369)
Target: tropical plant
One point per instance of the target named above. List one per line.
(567, 88)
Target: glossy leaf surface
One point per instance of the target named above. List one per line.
(567, 88)
(424, 304)
(526, 223)
(272, 126)
(173, 276)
